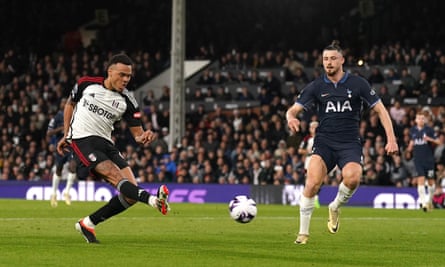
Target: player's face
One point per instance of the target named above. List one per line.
(420, 120)
(313, 128)
(119, 75)
(332, 62)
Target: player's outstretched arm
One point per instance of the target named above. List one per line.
(67, 115)
(291, 116)
(391, 145)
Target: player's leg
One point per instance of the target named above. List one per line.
(349, 161)
(125, 182)
(71, 177)
(118, 203)
(86, 226)
(105, 162)
(351, 174)
(57, 176)
(316, 171)
(431, 184)
(420, 180)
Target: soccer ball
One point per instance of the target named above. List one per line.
(242, 209)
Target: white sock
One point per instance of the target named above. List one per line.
(55, 183)
(343, 196)
(70, 181)
(88, 222)
(306, 209)
(152, 201)
(421, 192)
(431, 189)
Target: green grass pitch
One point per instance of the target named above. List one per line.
(34, 234)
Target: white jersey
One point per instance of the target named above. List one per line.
(98, 108)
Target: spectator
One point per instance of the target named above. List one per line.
(399, 174)
(422, 84)
(376, 76)
(385, 95)
(392, 76)
(439, 198)
(206, 78)
(254, 78)
(408, 81)
(272, 84)
(223, 94)
(244, 94)
(149, 98)
(219, 79)
(165, 95)
(397, 112)
(439, 70)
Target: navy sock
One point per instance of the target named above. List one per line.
(132, 191)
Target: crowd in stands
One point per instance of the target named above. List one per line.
(249, 146)
(219, 146)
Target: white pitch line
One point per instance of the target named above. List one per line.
(218, 218)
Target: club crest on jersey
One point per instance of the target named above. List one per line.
(92, 157)
(115, 104)
(338, 106)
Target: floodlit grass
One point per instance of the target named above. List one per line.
(34, 234)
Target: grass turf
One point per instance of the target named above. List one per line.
(34, 234)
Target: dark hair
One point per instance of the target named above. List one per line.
(120, 58)
(335, 45)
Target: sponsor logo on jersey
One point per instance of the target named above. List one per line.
(98, 110)
(419, 141)
(338, 106)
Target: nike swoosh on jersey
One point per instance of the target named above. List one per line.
(324, 95)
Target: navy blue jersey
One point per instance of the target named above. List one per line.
(339, 105)
(422, 150)
(54, 123)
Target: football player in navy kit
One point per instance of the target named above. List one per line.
(55, 132)
(93, 107)
(339, 99)
(420, 144)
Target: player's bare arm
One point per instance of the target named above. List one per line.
(391, 145)
(291, 116)
(67, 114)
(141, 136)
(435, 141)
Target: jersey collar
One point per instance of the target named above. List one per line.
(342, 80)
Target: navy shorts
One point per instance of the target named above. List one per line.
(424, 168)
(93, 150)
(334, 153)
(62, 159)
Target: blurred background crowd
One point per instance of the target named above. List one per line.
(39, 64)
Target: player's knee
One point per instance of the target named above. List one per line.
(311, 188)
(109, 172)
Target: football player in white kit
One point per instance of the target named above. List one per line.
(93, 107)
